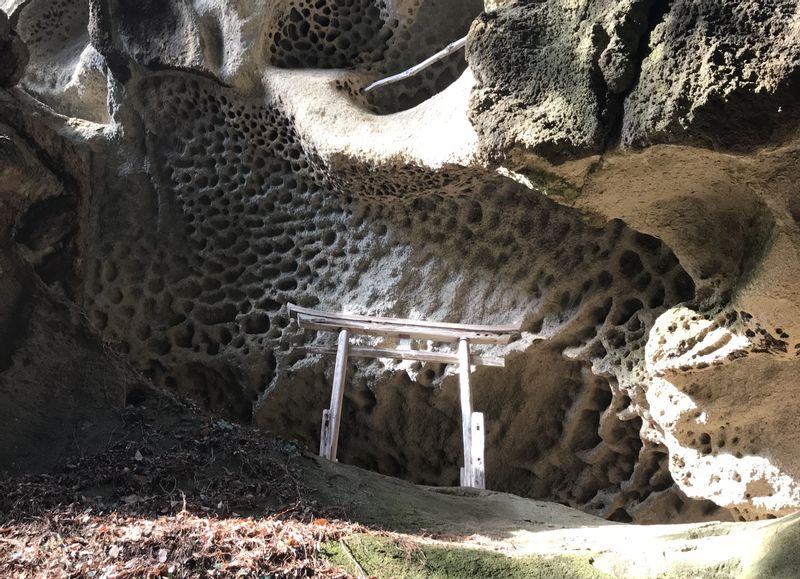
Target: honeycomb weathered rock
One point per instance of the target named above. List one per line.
(210, 174)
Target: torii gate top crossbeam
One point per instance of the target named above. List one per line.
(413, 329)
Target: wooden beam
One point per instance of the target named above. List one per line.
(372, 329)
(337, 394)
(466, 410)
(295, 309)
(403, 328)
(418, 355)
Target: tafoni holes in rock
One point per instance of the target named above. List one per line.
(177, 173)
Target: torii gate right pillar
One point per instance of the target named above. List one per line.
(472, 473)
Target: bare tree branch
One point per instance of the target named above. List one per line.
(449, 49)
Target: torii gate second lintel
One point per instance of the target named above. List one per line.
(472, 473)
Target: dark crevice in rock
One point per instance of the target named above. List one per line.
(655, 16)
(101, 36)
(46, 223)
(48, 230)
(13, 329)
(609, 109)
(59, 267)
(13, 56)
(649, 14)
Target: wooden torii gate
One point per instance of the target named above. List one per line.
(472, 473)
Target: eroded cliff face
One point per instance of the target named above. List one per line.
(620, 177)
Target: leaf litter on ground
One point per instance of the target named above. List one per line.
(176, 494)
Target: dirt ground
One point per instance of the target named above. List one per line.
(179, 494)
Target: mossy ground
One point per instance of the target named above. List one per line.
(387, 557)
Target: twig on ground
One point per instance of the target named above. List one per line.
(361, 573)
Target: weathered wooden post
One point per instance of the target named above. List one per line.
(334, 413)
(325, 433)
(466, 410)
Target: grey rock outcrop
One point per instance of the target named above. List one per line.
(13, 54)
(718, 74)
(539, 85)
(569, 78)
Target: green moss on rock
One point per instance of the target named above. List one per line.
(386, 558)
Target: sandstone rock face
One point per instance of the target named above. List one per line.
(571, 77)
(721, 74)
(540, 85)
(718, 450)
(15, 54)
(178, 172)
(60, 387)
(64, 70)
